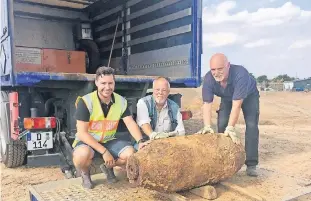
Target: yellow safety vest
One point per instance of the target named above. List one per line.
(102, 128)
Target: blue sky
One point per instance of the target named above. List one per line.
(268, 37)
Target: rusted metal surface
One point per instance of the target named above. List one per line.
(221, 161)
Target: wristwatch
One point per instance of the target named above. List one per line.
(141, 140)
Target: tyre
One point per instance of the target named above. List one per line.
(92, 54)
(12, 152)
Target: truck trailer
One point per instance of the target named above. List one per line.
(50, 50)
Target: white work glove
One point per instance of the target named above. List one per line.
(230, 132)
(173, 133)
(160, 135)
(206, 130)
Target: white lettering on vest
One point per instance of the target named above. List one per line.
(111, 125)
(97, 125)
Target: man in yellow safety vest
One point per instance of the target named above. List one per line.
(98, 114)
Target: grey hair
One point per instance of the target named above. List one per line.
(103, 70)
(161, 78)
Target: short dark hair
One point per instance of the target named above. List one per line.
(103, 70)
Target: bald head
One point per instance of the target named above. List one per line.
(219, 67)
(161, 90)
(218, 59)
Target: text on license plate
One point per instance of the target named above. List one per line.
(39, 140)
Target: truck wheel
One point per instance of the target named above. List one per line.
(92, 55)
(12, 152)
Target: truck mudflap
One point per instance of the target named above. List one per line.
(14, 112)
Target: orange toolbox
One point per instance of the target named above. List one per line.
(49, 60)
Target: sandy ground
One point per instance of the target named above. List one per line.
(285, 154)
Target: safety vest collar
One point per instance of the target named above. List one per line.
(112, 100)
(99, 103)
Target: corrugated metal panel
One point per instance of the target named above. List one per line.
(152, 38)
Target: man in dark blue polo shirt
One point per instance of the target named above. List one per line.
(237, 90)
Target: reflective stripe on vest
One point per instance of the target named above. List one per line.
(103, 128)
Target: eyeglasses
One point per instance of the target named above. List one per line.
(160, 90)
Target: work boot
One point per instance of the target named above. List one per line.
(111, 178)
(86, 179)
(251, 171)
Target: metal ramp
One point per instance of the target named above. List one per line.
(269, 185)
(71, 190)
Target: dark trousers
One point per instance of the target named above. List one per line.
(250, 108)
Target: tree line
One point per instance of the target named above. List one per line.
(264, 79)
(279, 78)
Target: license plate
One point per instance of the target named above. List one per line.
(39, 140)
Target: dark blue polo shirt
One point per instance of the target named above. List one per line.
(240, 84)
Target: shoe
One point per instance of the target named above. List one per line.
(86, 180)
(111, 178)
(251, 171)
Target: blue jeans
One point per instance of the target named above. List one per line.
(115, 147)
(135, 145)
(250, 108)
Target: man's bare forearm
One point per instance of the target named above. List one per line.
(89, 140)
(147, 129)
(134, 130)
(207, 114)
(235, 112)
